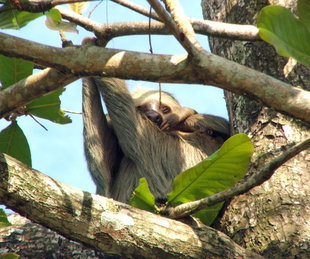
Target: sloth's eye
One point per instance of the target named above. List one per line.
(165, 109)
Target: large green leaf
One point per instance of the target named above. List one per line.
(278, 26)
(14, 143)
(4, 222)
(218, 172)
(48, 107)
(142, 197)
(303, 10)
(13, 69)
(10, 18)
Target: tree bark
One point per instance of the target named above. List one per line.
(31, 240)
(209, 70)
(272, 219)
(105, 224)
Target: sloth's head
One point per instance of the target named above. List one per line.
(147, 102)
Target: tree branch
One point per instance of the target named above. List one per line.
(35, 6)
(31, 88)
(204, 27)
(226, 30)
(105, 224)
(254, 180)
(212, 70)
(178, 24)
(185, 28)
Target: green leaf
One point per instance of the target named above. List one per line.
(9, 256)
(220, 171)
(4, 222)
(142, 197)
(48, 107)
(303, 10)
(54, 22)
(10, 18)
(208, 215)
(55, 15)
(60, 26)
(13, 69)
(278, 26)
(14, 143)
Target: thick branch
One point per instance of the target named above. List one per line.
(212, 70)
(254, 180)
(31, 88)
(106, 224)
(108, 31)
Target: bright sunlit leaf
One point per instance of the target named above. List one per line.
(218, 172)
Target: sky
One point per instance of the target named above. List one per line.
(59, 151)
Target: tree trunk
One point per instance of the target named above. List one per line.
(272, 219)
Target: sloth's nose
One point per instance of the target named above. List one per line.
(154, 116)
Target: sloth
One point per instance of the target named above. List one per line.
(143, 135)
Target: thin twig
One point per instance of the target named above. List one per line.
(94, 8)
(204, 27)
(38, 122)
(138, 9)
(151, 50)
(150, 40)
(72, 112)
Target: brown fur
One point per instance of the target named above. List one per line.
(132, 146)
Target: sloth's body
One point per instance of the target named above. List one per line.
(143, 138)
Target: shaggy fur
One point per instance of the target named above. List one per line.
(130, 146)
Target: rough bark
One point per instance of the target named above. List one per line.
(30, 240)
(104, 224)
(209, 69)
(272, 219)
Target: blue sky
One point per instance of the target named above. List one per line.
(58, 152)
